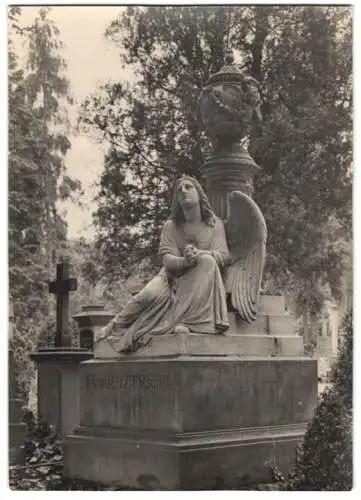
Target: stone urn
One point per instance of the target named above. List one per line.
(226, 108)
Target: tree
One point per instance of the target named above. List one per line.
(302, 56)
(324, 460)
(37, 178)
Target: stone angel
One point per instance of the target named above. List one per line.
(189, 294)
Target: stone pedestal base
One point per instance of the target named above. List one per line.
(207, 460)
(189, 423)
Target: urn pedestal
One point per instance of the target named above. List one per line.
(225, 171)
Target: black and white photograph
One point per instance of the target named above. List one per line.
(180, 250)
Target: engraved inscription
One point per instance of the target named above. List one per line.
(152, 383)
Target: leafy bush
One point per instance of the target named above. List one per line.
(41, 458)
(22, 343)
(47, 332)
(40, 464)
(324, 460)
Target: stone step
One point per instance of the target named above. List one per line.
(15, 412)
(209, 345)
(264, 325)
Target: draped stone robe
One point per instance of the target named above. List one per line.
(195, 297)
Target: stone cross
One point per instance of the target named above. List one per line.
(61, 288)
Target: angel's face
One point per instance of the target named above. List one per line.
(187, 193)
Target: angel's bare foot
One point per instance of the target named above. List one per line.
(181, 330)
(106, 332)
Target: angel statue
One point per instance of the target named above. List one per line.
(189, 294)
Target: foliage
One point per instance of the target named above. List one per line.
(40, 462)
(46, 336)
(324, 460)
(22, 343)
(341, 371)
(37, 179)
(302, 55)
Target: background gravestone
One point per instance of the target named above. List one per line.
(58, 383)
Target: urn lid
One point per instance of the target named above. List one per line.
(230, 73)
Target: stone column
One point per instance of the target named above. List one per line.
(227, 170)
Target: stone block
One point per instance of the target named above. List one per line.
(240, 327)
(203, 461)
(209, 345)
(281, 325)
(185, 423)
(264, 324)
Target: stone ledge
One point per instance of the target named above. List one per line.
(201, 443)
(195, 360)
(208, 345)
(61, 354)
(192, 439)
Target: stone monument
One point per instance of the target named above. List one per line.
(199, 381)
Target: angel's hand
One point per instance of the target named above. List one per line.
(190, 255)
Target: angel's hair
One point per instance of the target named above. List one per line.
(207, 214)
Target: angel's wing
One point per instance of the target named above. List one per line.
(246, 233)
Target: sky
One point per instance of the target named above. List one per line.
(91, 60)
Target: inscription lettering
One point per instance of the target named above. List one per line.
(152, 383)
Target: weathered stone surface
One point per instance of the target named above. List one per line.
(208, 345)
(186, 462)
(199, 418)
